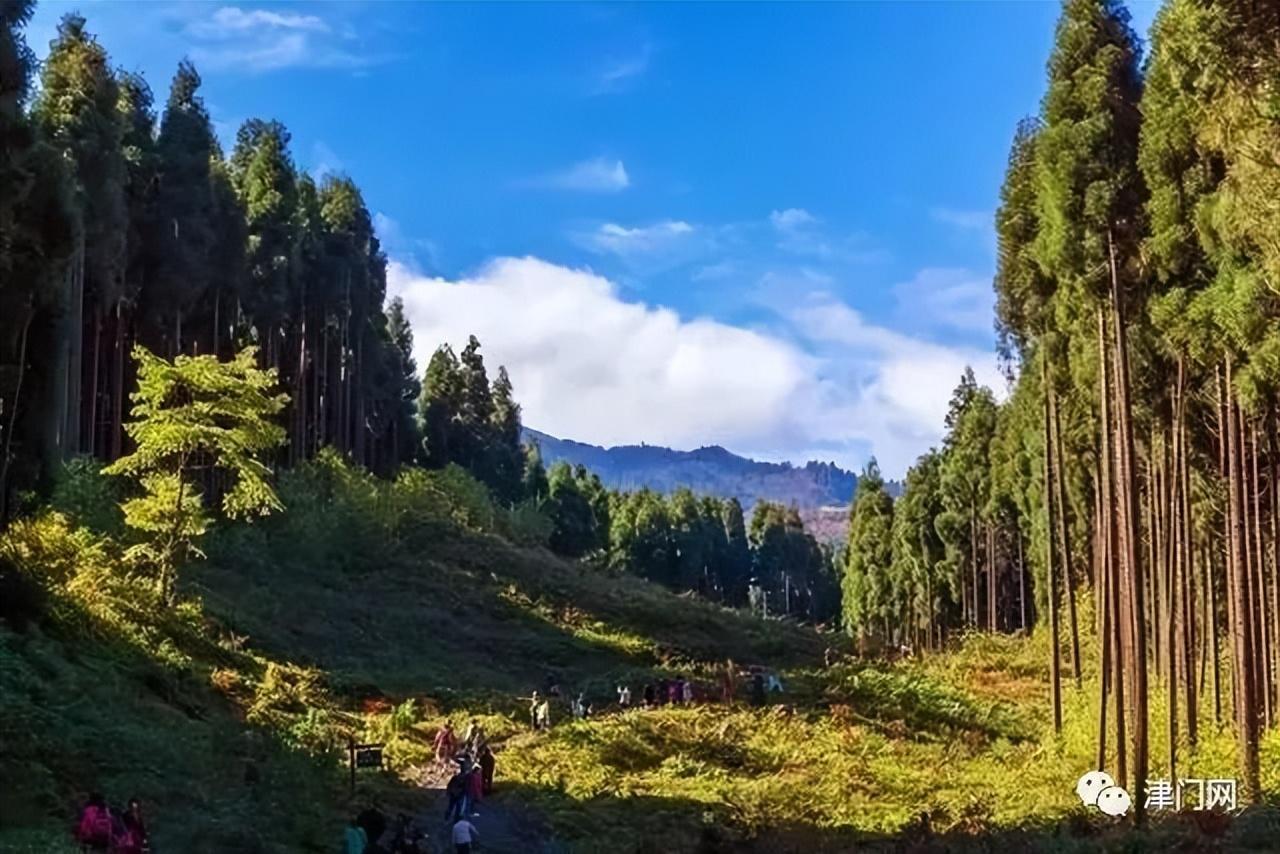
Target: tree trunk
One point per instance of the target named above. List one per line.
(1110, 558)
(1128, 536)
(14, 402)
(1051, 586)
(1241, 631)
(1064, 544)
(117, 390)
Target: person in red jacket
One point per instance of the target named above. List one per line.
(475, 787)
(93, 830)
(446, 743)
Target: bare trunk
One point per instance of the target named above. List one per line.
(13, 404)
(1051, 586)
(1128, 536)
(1241, 631)
(1064, 544)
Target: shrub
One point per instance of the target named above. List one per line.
(88, 497)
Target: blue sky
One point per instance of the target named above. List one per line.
(764, 226)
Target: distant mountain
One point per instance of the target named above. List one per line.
(711, 470)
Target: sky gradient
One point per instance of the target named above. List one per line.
(762, 226)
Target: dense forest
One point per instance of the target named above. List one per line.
(1135, 460)
(125, 229)
(1126, 489)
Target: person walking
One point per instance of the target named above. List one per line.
(446, 743)
(728, 681)
(474, 739)
(648, 695)
(624, 696)
(487, 763)
(138, 840)
(686, 689)
(542, 715)
(534, 703)
(93, 830)
(354, 839)
(465, 836)
(475, 789)
(456, 791)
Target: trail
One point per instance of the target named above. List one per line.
(504, 828)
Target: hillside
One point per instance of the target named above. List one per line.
(711, 470)
(341, 617)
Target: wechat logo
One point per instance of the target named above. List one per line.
(1099, 789)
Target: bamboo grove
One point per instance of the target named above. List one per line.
(1135, 460)
(121, 227)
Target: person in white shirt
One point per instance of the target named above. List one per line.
(464, 836)
(624, 695)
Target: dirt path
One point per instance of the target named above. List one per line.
(504, 828)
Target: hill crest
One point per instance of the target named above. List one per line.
(711, 469)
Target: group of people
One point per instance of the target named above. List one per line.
(101, 828)
(370, 833)
(677, 691)
(473, 780)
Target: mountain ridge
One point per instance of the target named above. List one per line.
(710, 469)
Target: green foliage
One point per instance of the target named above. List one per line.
(87, 497)
(867, 597)
(195, 414)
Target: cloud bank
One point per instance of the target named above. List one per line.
(589, 364)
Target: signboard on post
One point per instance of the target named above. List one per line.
(363, 756)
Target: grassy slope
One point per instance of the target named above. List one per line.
(295, 648)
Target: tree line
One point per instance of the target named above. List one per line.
(1136, 457)
(123, 224)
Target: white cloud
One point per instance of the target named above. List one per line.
(230, 20)
(324, 161)
(901, 384)
(966, 219)
(260, 40)
(597, 175)
(618, 74)
(792, 219)
(948, 297)
(590, 365)
(623, 241)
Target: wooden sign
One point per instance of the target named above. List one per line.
(363, 756)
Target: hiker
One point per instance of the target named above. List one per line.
(534, 702)
(774, 684)
(687, 690)
(137, 841)
(542, 717)
(579, 706)
(728, 681)
(674, 692)
(373, 822)
(354, 839)
(648, 695)
(487, 763)
(475, 789)
(93, 831)
(662, 691)
(456, 790)
(446, 743)
(624, 696)
(757, 688)
(474, 739)
(465, 835)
